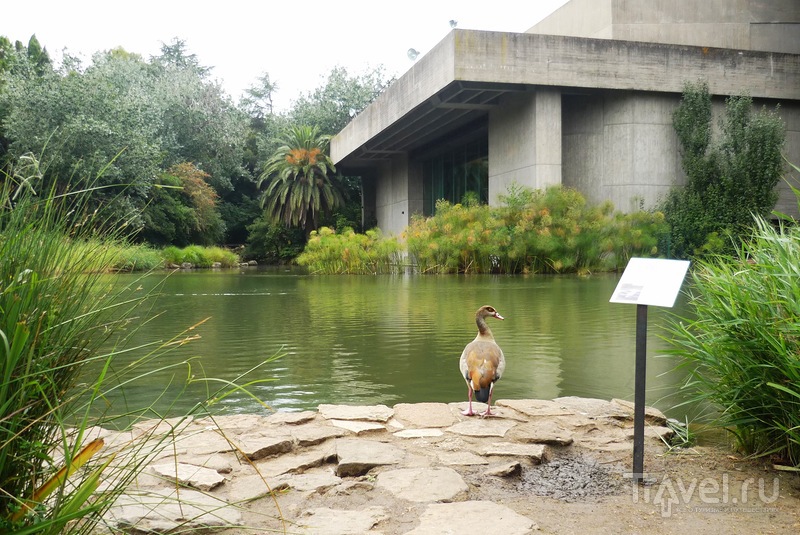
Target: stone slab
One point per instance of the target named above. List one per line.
(424, 484)
(542, 431)
(419, 433)
(357, 457)
(534, 452)
(189, 475)
(257, 446)
(162, 512)
(482, 427)
(461, 458)
(291, 418)
(326, 521)
(358, 427)
(314, 433)
(370, 413)
(424, 414)
(463, 517)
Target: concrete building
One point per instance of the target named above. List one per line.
(583, 99)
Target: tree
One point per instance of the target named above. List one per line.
(257, 102)
(183, 209)
(96, 124)
(127, 121)
(299, 188)
(333, 105)
(727, 183)
(38, 56)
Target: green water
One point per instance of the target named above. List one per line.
(384, 339)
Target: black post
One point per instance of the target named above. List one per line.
(638, 399)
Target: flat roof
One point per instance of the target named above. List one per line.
(470, 71)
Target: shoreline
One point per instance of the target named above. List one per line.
(411, 468)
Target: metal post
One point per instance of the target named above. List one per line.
(639, 395)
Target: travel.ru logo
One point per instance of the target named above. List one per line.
(708, 495)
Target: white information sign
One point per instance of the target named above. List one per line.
(650, 281)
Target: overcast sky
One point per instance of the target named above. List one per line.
(297, 43)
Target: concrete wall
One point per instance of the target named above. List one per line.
(787, 202)
(579, 18)
(398, 193)
(620, 146)
(525, 142)
(769, 25)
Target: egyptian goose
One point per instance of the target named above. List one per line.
(482, 362)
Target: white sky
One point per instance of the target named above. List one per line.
(297, 43)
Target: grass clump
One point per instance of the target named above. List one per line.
(742, 349)
(199, 256)
(56, 310)
(349, 253)
(136, 258)
(534, 231)
(59, 311)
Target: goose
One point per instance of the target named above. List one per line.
(482, 362)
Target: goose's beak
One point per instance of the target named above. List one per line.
(498, 316)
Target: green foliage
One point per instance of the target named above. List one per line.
(549, 231)
(273, 243)
(299, 189)
(58, 312)
(129, 257)
(126, 121)
(198, 256)
(56, 309)
(727, 182)
(370, 253)
(741, 350)
(183, 209)
(333, 105)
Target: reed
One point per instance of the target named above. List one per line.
(58, 310)
(199, 256)
(741, 349)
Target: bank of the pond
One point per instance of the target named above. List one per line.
(556, 466)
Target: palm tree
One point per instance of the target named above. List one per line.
(299, 187)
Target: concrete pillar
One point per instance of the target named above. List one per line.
(548, 138)
(398, 194)
(525, 142)
(415, 190)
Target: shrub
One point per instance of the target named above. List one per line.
(727, 182)
(535, 231)
(348, 252)
(136, 258)
(273, 243)
(198, 256)
(742, 349)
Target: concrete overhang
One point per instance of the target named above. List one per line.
(469, 72)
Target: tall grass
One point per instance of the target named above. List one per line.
(55, 311)
(199, 256)
(742, 349)
(58, 308)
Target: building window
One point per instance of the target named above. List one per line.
(452, 173)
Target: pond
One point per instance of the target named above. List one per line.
(382, 339)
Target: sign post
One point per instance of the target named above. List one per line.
(646, 281)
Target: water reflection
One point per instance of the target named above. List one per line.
(389, 339)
